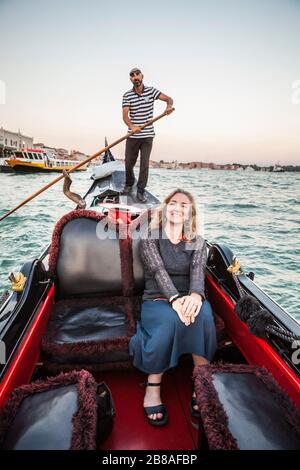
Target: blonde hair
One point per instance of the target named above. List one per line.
(190, 227)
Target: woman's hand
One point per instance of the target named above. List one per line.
(191, 305)
(177, 306)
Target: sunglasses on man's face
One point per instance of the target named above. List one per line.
(135, 73)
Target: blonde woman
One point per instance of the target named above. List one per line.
(176, 318)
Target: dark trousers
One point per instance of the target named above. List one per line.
(133, 147)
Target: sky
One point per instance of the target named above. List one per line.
(231, 66)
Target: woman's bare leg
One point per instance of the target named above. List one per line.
(152, 395)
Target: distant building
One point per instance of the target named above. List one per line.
(62, 153)
(215, 166)
(40, 145)
(11, 141)
(153, 164)
(76, 155)
(45, 147)
(229, 167)
(168, 165)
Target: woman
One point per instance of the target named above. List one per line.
(175, 317)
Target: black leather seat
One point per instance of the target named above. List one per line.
(242, 407)
(97, 292)
(60, 413)
(36, 425)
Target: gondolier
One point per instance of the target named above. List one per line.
(138, 104)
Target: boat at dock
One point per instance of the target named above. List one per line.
(39, 160)
(75, 307)
(4, 167)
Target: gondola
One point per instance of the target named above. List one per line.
(73, 311)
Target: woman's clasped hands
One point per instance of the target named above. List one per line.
(188, 307)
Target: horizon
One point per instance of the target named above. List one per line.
(233, 70)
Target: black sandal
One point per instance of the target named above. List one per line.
(150, 410)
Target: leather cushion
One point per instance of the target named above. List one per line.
(44, 421)
(98, 323)
(86, 262)
(58, 413)
(243, 407)
(255, 418)
(95, 330)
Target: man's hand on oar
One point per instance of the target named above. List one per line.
(169, 109)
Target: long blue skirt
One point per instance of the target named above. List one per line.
(161, 337)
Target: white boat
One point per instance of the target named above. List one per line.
(278, 169)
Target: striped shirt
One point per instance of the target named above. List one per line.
(141, 109)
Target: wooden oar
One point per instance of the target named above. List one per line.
(88, 159)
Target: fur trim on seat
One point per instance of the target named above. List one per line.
(126, 265)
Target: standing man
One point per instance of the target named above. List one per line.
(138, 104)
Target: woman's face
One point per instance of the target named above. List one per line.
(178, 209)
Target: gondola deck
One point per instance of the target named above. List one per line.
(131, 430)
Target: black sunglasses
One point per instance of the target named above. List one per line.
(137, 72)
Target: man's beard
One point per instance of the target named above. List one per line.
(137, 83)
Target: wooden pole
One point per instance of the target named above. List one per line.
(88, 159)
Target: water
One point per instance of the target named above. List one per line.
(257, 214)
